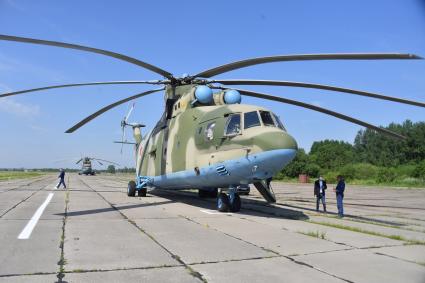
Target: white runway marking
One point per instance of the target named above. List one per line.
(207, 211)
(26, 233)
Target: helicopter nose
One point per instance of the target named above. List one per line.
(275, 140)
(278, 150)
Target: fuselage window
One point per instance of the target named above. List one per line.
(251, 120)
(233, 125)
(267, 119)
(278, 122)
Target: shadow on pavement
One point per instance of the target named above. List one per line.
(109, 209)
(249, 206)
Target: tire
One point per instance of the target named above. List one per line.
(142, 192)
(131, 189)
(222, 202)
(236, 205)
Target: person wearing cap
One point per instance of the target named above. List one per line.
(319, 192)
(62, 179)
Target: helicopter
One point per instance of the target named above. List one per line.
(206, 139)
(86, 165)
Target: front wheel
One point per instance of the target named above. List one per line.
(131, 189)
(222, 202)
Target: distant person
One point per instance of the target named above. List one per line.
(339, 190)
(62, 179)
(319, 192)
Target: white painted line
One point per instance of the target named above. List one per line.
(26, 233)
(207, 211)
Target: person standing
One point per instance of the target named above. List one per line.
(339, 190)
(319, 192)
(62, 179)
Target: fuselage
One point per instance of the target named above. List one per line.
(86, 168)
(214, 146)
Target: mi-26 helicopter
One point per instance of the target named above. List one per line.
(86, 165)
(206, 139)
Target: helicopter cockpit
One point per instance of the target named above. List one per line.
(251, 119)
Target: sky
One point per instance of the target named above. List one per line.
(188, 37)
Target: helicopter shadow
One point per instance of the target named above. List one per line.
(250, 206)
(110, 209)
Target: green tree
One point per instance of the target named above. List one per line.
(419, 171)
(377, 149)
(300, 165)
(331, 154)
(111, 169)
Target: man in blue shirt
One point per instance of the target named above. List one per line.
(339, 190)
(62, 179)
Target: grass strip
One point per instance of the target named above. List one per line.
(373, 233)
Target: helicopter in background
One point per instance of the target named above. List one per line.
(206, 139)
(86, 165)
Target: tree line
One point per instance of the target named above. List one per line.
(372, 157)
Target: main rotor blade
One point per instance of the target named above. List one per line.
(98, 159)
(108, 107)
(89, 49)
(322, 110)
(83, 84)
(78, 161)
(301, 57)
(318, 86)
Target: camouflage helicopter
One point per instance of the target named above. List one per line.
(206, 139)
(86, 166)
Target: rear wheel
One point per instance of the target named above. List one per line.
(222, 202)
(131, 189)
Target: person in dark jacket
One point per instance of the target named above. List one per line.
(62, 179)
(339, 190)
(319, 192)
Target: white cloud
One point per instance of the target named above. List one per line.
(11, 106)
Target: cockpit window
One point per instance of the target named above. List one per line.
(233, 125)
(251, 120)
(278, 122)
(267, 118)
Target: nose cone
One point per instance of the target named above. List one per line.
(275, 139)
(279, 149)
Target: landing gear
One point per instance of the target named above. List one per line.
(265, 189)
(131, 189)
(223, 202)
(142, 192)
(231, 202)
(236, 205)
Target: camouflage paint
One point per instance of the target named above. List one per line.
(185, 136)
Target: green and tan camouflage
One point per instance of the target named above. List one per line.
(184, 144)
